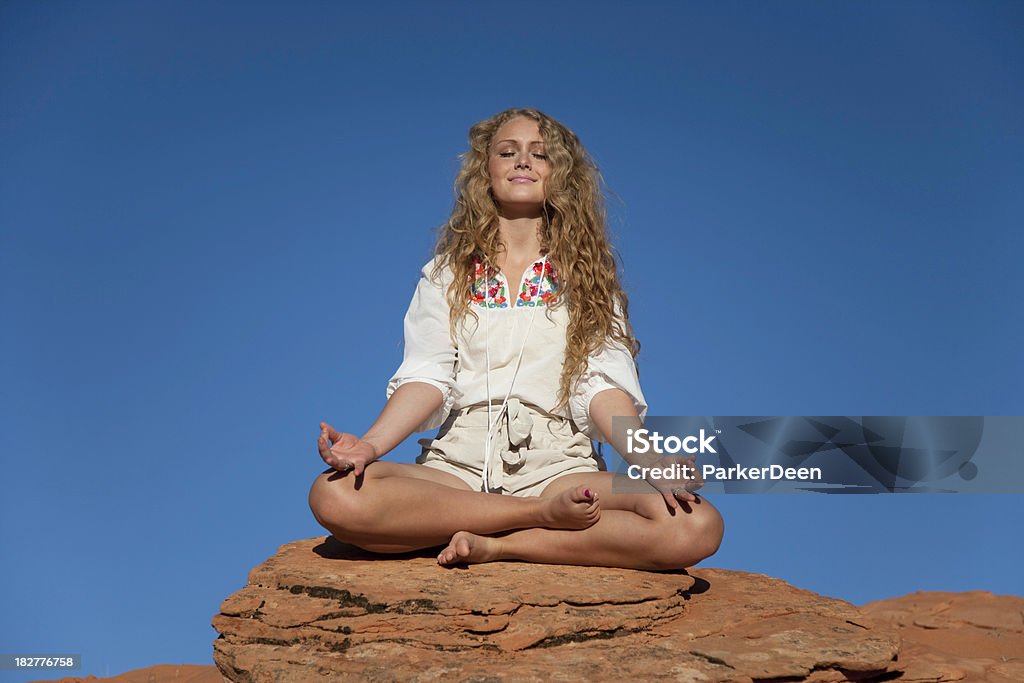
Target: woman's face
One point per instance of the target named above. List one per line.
(518, 165)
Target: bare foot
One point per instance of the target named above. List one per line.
(575, 508)
(467, 548)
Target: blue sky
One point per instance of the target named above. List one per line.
(213, 217)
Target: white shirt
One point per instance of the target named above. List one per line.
(459, 370)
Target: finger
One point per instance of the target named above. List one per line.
(333, 433)
(670, 500)
(327, 431)
(358, 469)
(683, 494)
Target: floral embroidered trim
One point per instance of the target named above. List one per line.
(493, 288)
(532, 283)
(491, 292)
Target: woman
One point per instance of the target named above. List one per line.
(519, 373)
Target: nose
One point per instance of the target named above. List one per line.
(523, 161)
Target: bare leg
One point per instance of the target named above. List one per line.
(634, 531)
(398, 507)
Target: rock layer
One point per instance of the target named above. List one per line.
(971, 636)
(322, 608)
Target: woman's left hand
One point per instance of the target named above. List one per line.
(678, 489)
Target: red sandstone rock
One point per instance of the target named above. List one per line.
(321, 608)
(972, 636)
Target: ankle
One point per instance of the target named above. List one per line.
(543, 515)
(499, 548)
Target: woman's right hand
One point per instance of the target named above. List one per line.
(344, 452)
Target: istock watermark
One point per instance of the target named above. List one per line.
(645, 441)
(823, 454)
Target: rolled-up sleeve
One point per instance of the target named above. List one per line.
(430, 354)
(610, 367)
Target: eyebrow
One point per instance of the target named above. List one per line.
(532, 142)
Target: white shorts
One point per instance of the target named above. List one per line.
(530, 448)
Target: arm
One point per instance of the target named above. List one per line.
(611, 403)
(409, 407)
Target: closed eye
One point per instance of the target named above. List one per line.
(512, 154)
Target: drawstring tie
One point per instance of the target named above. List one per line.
(513, 428)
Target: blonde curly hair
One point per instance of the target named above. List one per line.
(574, 234)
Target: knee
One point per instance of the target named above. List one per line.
(321, 499)
(692, 537)
(332, 502)
(711, 530)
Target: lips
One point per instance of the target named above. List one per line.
(521, 179)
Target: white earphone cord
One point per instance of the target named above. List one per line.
(487, 354)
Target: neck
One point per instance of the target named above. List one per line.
(520, 236)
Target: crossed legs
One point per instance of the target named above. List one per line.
(398, 507)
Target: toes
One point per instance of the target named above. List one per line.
(578, 495)
(450, 554)
(587, 495)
